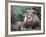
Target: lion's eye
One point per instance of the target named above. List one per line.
(30, 14)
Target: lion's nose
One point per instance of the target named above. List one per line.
(29, 17)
